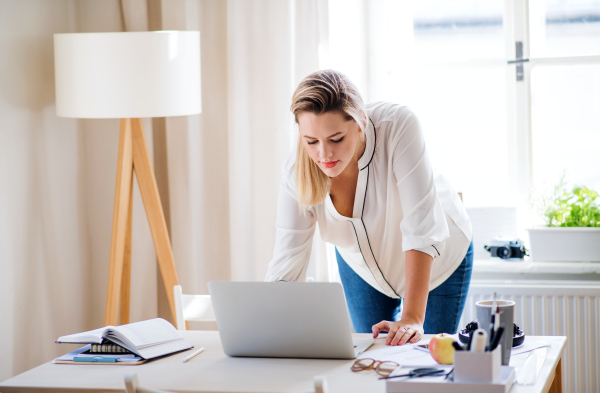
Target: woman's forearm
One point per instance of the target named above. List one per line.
(418, 275)
(416, 289)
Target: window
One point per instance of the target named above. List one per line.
(449, 61)
(565, 88)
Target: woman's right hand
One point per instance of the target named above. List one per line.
(401, 332)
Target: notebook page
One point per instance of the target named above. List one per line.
(92, 336)
(148, 333)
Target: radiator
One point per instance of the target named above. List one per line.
(553, 308)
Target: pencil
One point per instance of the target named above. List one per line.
(185, 359)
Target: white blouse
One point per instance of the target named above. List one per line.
(399, 206)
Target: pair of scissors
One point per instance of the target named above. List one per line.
(420, 372)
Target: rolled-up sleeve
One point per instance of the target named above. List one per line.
(293, 239)
(424, 227)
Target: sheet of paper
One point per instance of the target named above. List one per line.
(528, 346)
(405, 355)
(129, 360)
(408, 356)
(527, 373)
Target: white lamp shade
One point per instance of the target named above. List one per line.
(127, 75)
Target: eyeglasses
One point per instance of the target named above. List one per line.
(382, 368)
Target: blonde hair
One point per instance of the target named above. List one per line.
(321, 92)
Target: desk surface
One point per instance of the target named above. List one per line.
(213, 371)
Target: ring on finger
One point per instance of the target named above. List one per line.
(401, 336)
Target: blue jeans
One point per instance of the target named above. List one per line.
(445, 303)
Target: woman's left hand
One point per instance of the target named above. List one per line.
(401, 332)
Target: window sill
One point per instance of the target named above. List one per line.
(498, 269)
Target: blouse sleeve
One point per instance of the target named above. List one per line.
(424, 227)
(293, 236)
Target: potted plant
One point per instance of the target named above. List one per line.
(572, 231)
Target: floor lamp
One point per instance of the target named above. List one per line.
(128, 76)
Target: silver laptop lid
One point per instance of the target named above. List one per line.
(282, 319)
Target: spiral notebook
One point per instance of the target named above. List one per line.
(83, 353)
(107, 346)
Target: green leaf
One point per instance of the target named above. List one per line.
(577, 208)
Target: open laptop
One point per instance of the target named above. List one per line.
(284, 319)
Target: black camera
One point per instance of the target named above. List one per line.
(507, 248)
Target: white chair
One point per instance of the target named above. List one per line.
(192, 308)
(131, 386)
(196, 307)
(321, 384)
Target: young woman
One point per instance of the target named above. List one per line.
(402, 236)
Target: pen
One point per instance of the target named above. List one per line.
(492, 328)
(457, 346)
(185, 359)
(497, 338)
(493, 316)
(422, 348)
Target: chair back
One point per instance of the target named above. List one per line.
(192, 308)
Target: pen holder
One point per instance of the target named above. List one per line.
(482, 367)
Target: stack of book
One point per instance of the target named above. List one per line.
(140, 341)
(107, 346)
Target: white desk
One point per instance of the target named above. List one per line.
(213, 371)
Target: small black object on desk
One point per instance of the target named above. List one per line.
(457, 346)
(465, 334)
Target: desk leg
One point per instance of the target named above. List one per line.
(556, 386)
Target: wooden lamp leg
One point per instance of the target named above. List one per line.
(126, 279)
(119, 225)
(156, 218)
(134, 155)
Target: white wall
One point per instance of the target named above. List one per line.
(42, 235)
(57, 179)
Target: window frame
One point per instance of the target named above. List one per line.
(517, 28)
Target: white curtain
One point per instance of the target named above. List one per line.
(282, 48)
(218, 172)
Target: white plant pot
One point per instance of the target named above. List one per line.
(564, 244)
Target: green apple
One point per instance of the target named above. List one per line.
(441, 349)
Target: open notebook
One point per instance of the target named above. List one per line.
(147, 339)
